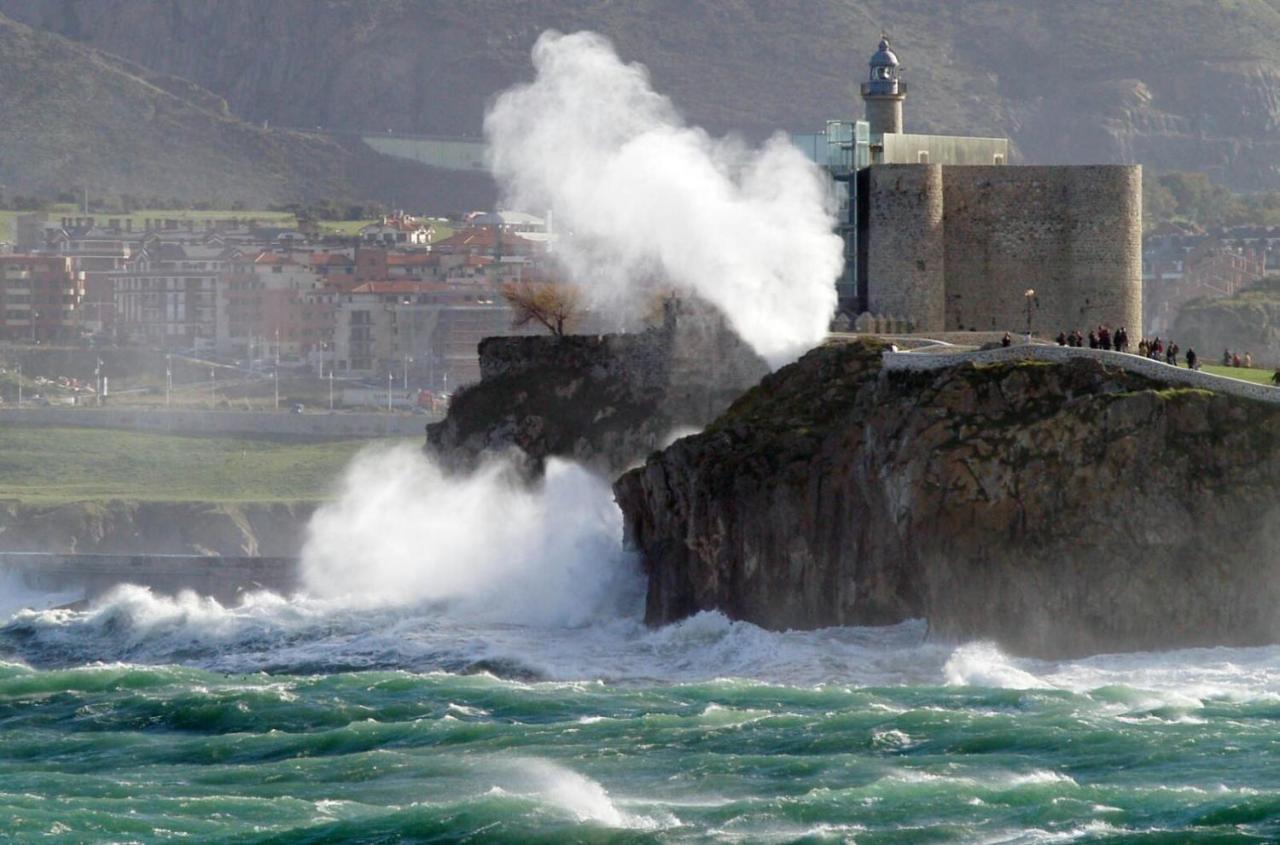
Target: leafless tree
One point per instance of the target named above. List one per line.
(557, 307)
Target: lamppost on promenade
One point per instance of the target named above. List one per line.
(1031, 298)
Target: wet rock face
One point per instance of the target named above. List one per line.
(1057, 509)
(605, 401)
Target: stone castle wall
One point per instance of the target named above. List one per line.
(955, 248)
(906, 248)
(1072, 234)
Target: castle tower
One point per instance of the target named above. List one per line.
(884, 92)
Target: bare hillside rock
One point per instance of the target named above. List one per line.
(1167, 83)
(1249, 322)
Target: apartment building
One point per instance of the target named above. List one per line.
(167, 294)
(266, 307)
(424, 332)
(40, 297)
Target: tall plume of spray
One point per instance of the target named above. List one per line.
(638, 196)
(643, 200)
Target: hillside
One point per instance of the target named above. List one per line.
(1173, 84)
(77, 116)
(1249, 322)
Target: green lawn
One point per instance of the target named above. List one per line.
(1244, 374)
(54, 465)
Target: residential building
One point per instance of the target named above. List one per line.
(265, 308)
(167, 294)
(424, 332)
(40, 298)
(398, 230)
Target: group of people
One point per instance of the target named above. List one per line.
(1118, 341)
(1234, 359)
(1099, 338)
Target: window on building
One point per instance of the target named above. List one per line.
(999, 158)
(922, 156)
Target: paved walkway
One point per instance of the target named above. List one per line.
(930, 359)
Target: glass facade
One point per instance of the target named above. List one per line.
(842, 149)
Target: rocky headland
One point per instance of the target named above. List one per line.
(1056, 508)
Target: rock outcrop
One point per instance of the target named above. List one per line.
(156, 528)
(605, 401)
(1058, 509)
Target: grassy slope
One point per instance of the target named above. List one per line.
(1253, 374)
(53, 465)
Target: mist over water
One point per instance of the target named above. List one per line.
(640, 200)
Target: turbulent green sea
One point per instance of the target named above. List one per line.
(843, 735)
(480, 687)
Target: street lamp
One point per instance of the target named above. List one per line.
(407, 360)
(276, 375)
(19, 384)
(388, 392)
(213, 389)
(168, 378)
(1031, 298)
(330, 388)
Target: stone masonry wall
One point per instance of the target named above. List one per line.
(906, 269)
(1073, 234)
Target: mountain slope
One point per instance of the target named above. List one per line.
(1175, 84)
(76, 116)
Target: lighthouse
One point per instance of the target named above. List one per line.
(884, 92)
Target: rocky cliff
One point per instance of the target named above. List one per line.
(1246, 322)
(120, 527)
(1173, 84)
(1059, 509)
(605, 401)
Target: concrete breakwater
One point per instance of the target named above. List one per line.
(90, 575)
